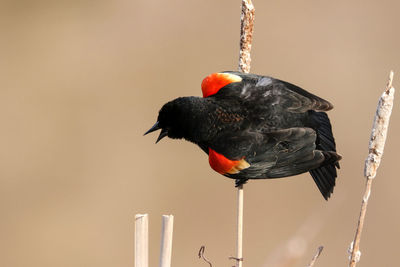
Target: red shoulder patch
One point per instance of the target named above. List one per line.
(223, 165)
(214, 82)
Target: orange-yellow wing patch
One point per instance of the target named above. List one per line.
(214, 82)
(223, 165)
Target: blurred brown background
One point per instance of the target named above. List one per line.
(81, 81)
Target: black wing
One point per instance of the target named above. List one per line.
(262, 90)
(282, 135)
(278, 154)
(284, 153)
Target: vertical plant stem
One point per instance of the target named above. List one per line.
(166, 240)
(141, 240)
(376, 146)
(239, 245)
(246, 37)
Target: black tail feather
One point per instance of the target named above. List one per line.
(325, 176)
(325, 184)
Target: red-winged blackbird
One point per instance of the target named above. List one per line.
(256, 127)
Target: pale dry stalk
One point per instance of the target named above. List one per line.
(166, 240)
(376, 146)
(141, 240)
(246, 36)
(239, 241)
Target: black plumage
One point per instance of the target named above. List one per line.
(279, 129)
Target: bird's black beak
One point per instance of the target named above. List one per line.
(163, 134)
(156, 127)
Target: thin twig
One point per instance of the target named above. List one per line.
(376, 146)
(201, 255)
(314, 259)
(246, 37)
(239, 245)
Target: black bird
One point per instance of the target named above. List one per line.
(256, 127)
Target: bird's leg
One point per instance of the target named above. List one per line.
(239, 182)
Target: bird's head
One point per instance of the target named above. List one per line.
(171, 119)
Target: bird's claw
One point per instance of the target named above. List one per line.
(239, 182)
